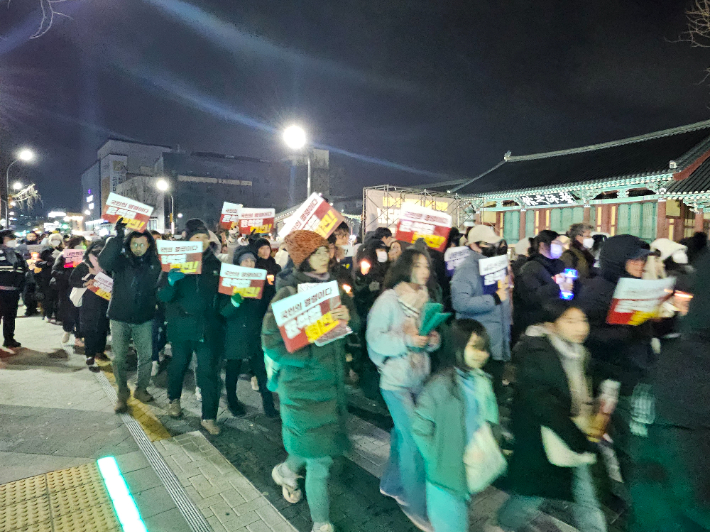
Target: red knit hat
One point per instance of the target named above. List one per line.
(302, 244)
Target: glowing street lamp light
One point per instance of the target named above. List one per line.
(26, 155)
(296, 139)
(163, 185)
(17, 185)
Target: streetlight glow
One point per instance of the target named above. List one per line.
(26, 155)
(16, 185)
(162, 185)
(294, 137)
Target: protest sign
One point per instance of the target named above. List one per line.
(306, 317)
(417, 222)
(638, 300)
(135, 214)
(315, 214)
(230, 215)
(247, 282)
(103, 285)
(180, 255)
(454, 257)
(73, 257)
(493, 269)
(256, 220)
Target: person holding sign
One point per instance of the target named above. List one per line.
(13, 269)
(93, 311)
(242, 343)
(310, 384)
(61, 271)
(400, 349)
(194, 326)
(133, 263)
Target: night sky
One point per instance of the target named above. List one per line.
(443, 88)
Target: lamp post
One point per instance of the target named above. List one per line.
(163, 185)
(295, 138)
(25, 155)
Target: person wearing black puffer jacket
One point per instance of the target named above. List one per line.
(536, 284)
(195, 326)
(265, 261)
(93, 311)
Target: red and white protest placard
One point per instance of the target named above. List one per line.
(135, 214)
(73, 257)
(230, 215)
(638, 300)
(315, 214)
(180, 255)
(417, 222)
(103, 286)
(305, 317)
(247, 282)
(256, 220)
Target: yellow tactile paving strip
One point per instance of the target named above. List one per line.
(141, 412)
(69, 500)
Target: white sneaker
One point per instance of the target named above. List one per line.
(155, 369)
(198, 393)
(65, 338)
(254, 384)
(289, 484)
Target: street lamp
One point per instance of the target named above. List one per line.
(164, 186)
(295, 138)
(17, 185)
(25, 155)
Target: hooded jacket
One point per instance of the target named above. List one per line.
(619, 352)
(133, 298)
(93, 307)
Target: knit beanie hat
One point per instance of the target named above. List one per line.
(195, 226)
(302, 244)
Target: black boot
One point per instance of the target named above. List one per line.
(267, 400)
(235, 407)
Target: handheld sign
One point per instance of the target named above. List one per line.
(305, 317)
(180, 255)
(247, 282)
(638, 300)
(230, 215)
(135, 214)
(315, 214)
(103, 285)
(417, 222)
(493, 269)
(73, 257)
(454, 257)
(256, 220)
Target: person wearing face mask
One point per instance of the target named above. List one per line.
(12, 278)
(540, 280)
(195, 326)
(133, 263)
(68, 313)
(471, 300)
(578, 256)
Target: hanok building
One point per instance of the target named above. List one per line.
(652, 186)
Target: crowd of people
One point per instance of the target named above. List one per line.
(526, 376)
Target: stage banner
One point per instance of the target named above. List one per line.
(638, 300)
(103, 285)
(257, 220)
(417, 222)
(247, 282)
(180, 255)
(315, 214)
(230, 215)
(135, 214)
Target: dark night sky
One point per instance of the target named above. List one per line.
(441, 87)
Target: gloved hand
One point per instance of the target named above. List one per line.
(120, 227)
(174, 276)
(237, 300)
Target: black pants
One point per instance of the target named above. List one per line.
(237, 367)
(95, 337)
(50, 303)
(28, 296)
(70, 317)
(207, 374)
(9, 300)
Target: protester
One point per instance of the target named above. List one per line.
(159, 332)
(395, 251)
(463, 392)
(402, 356)
(492, 310)
(696, 245)
(310, 386)
(68, 312)
(93, 311)
(133, 263)
(540, 280)
(46, 293)
(195, 326)
(12, 278)
(578, 256)
(242, 342)
(522, 250)
(552, 410)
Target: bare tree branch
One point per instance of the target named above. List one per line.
(698, 33)
(48, 13)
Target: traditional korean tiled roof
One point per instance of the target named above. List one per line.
(696, 183)
(658, 154)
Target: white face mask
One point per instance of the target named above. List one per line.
(12, 244)
(680, 257)
(381, 255)
(588, 242)
(556, 250)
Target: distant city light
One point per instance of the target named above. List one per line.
(295, 137)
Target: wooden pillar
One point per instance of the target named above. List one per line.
(587, 214)
(523, 226)
(699, 220)
(661, 221)
(478, 217)
(679, 227)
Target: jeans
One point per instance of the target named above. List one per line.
(404, 478)
(207, 374)
(519, 510)
(317, 473)
(447, 512)
(9, 300)
(121, 333)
